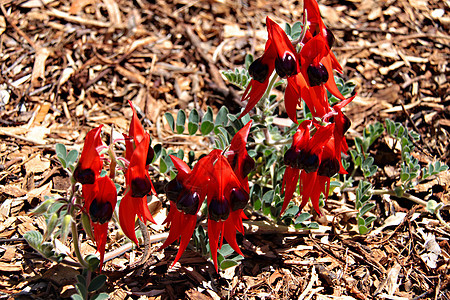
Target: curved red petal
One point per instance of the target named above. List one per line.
(290, 181)
(127, 217)
(100, 234)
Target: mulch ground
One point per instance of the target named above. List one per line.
(69, 66)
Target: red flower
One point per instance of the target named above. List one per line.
(89, 167)
(139, 185)
(136, 134)
(306, 155)
(226, 199)
(238, 157)
(280, 55)
(186, 193)
(100, 201)
(224, 181)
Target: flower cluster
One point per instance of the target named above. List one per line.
(309, 75)
(100, 194)
(222, 179)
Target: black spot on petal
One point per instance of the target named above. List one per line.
(84, 176)
(173, 189)
(140, 187)
(100, 212)
(188, 202)
(238, 198)
(317, 75)
(258, 70)
(286, 66)
(328, 167)
(218, 210)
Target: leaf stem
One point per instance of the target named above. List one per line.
(405, 196)
(76, 246)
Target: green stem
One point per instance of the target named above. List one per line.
(405, 196)
(76, 246)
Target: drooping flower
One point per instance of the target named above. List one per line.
(305, 155)
(309, 73)
(100, 200)
(280, 56)
(136, 134)
(139, 153)
(226, 199)
(139, 185)
(238, 157)
(90, 165)
(222, 178)
(186, 193)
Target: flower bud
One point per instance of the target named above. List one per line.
(218, 210)
(286, 66)
(258, 70)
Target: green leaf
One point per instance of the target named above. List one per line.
(193, 122)
(313, 225)
(181, 120)
(248, 60)
(206, 127)
(34, 239)
(170, 120)
(72, 157)
(162, 165)
(228, 263)
(97, 283)
(101, 296)
(268, 197)
(367, 207)
(92, 261)
(287, 29)
(158, 150)
(363, 229)
(81, 280)
(76, 296)
(208, 116)
(226, 250)
(432, 205)
(369, 220)
(61, 150)
(65, 227)
(222, 116)
(82, 291)
(257, 204)
(303, 217)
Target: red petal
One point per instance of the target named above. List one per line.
(127, 216)
(100, 234)
(290, 181)
(136, 130)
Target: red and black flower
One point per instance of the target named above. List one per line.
(90, 164)
(100, 200)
